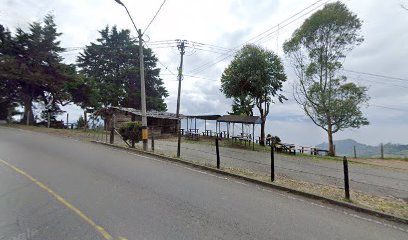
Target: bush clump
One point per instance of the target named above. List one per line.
(131, 131)
(276, 140)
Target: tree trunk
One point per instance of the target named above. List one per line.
(262, 140)
(85, 120)
(28, 110)
(331, 145)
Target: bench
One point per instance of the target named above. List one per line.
(312, 150)
(286, 147)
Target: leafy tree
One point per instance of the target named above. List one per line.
(317, 50)
(7, 90)
(80, 122)
(242, 106)
(255, 73)
(113, 63)
(33, 66)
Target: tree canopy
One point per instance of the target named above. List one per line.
(242, 106)
(255, 74)
(317, 50)
(32, 69)
(112, 62)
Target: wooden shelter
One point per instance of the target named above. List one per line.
(201, 117)
(247, 120)
(158, 122)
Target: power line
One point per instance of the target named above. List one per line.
(154, 16)
(162, 63)
(278, 26)
(376, 75)
(390, 108)
(235, 49)
(270, 35)
(379, 82)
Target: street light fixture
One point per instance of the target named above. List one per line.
(142, 80)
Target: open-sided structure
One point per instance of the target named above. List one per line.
(159, 122)
(244, 120)
(200, 117)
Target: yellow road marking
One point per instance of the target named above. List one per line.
(82, 215)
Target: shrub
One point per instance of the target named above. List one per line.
(80, 122)
(276, 140)
(131, 131)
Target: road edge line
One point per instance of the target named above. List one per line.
(60, 199)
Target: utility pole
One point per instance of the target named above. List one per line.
(142, 79)
(143, 92)
(181, 45)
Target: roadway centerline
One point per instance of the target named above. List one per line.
(64, 202)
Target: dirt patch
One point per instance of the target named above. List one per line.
(389, 205)
(388, 163)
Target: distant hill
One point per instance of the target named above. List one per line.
(345, 148)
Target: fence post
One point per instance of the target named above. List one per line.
(382, 151)
(112, 135)
(151, 132)
(346, 178)
(217, 150)
(355, 152)
(106, 134)
(272, 163)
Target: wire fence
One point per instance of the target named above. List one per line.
(299, 168)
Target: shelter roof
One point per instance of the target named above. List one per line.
(240, 119)
(206, 117)
(137, 112)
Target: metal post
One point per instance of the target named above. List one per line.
(187, 125)
(180, 76)
(152, 141)
(67, 120)
(106, 134)
(253, 137)
(48, 119)
(112, 133)
(382, 150)
(272, 163)
(355, 152)
(346, 178)
(217, 150)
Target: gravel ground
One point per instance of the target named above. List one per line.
(363, 177)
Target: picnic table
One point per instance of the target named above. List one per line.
(195, 130)
(207, 133)
(192, 136)
(312, 150)
(242, 138)
(286, 147)
(181, 131)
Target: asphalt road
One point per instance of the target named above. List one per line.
(81, 188)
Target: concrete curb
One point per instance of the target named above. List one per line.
(266, 184)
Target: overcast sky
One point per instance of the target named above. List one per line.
(228, 24)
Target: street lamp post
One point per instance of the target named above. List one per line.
(142, 80)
